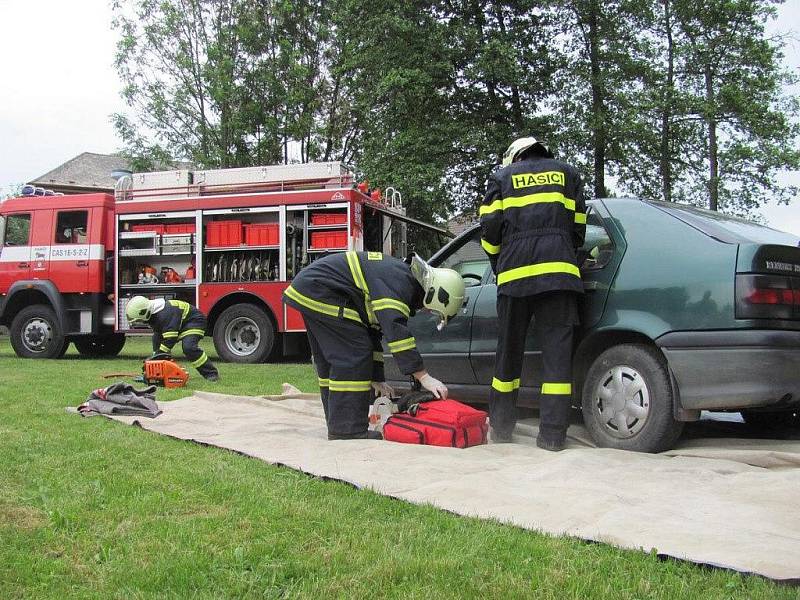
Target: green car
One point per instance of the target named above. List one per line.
(685, 310)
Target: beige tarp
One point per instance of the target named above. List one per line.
(734, 503)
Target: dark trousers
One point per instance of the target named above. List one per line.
(342, 351)
(555, 315)
(191, 347)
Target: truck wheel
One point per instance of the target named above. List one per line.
(244, 333)
(772, 420)
(36, 333)
(96, 346)
(627, 400)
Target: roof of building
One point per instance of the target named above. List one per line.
(88, 170)
(461, 222)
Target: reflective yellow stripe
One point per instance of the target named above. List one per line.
(580, 218)
(361, 283)
(349, 386)
(490, 248)
(323, 382)
(374, 256)
(557, 388)
(169, 334)
(521, 201)
(164, 348)
(320, 307)
(505, 386)
(490, 208)
(401, 345)
(184, 306)
(188, 332)
(536, 270)
(377, 356)
(391, 303)
(200, 361)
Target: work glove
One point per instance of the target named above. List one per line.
(383, 389)
(434, 386)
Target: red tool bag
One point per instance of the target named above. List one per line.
(439, 423)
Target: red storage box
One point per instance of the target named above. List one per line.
(439, 423)
(224, 233)
(329, 218)
(261, 234)
(184, 228)
(321, 240)
(159, 229)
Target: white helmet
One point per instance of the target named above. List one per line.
(138, 309)
(443, 288)
(519, 146)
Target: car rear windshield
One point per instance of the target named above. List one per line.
(726, 228)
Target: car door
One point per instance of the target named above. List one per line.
(599, 257)
(446, 352)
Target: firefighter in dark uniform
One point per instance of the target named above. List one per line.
(533, 219)
(173, 321)
(349, 301)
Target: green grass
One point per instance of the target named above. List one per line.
(95, 509)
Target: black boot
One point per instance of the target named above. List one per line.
(364, 435)
(550, 444)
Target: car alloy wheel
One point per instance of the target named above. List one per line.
(622, 401)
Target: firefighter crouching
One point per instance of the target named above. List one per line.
(533, 219)
(173, 321)
(348, 302)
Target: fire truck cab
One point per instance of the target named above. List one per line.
(228, 241)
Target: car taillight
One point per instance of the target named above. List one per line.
(767, 297)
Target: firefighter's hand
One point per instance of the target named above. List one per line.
(434, 386)
(383, 389)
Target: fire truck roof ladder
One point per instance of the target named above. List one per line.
(331, 174)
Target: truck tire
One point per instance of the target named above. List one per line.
(244, 333)
(627, 400)
(97, 346)
(36, 333)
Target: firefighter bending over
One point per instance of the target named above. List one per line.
(348, 302)
(533, 219)
(173, 321)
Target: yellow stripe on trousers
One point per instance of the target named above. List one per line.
(505, 386)
(560, 389)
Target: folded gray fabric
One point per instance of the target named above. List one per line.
(121, 399)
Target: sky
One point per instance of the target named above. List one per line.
(58, 88)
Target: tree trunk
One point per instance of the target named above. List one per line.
(598, 110)
(711, 120)
(666, 110)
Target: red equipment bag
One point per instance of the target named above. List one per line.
(439, 423)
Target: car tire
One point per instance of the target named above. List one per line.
(99, 346)
(244, 333)
(772, 420)
(627, 400)
(36, 333)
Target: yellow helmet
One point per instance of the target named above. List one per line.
(443, 288)
(519, 146)
(138, 309)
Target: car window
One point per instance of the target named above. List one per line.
(597, 247)
(18, 229)
(71, 227)
(468, 259)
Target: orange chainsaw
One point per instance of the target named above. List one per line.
(159, 369)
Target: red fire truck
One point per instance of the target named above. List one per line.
(228, 241)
